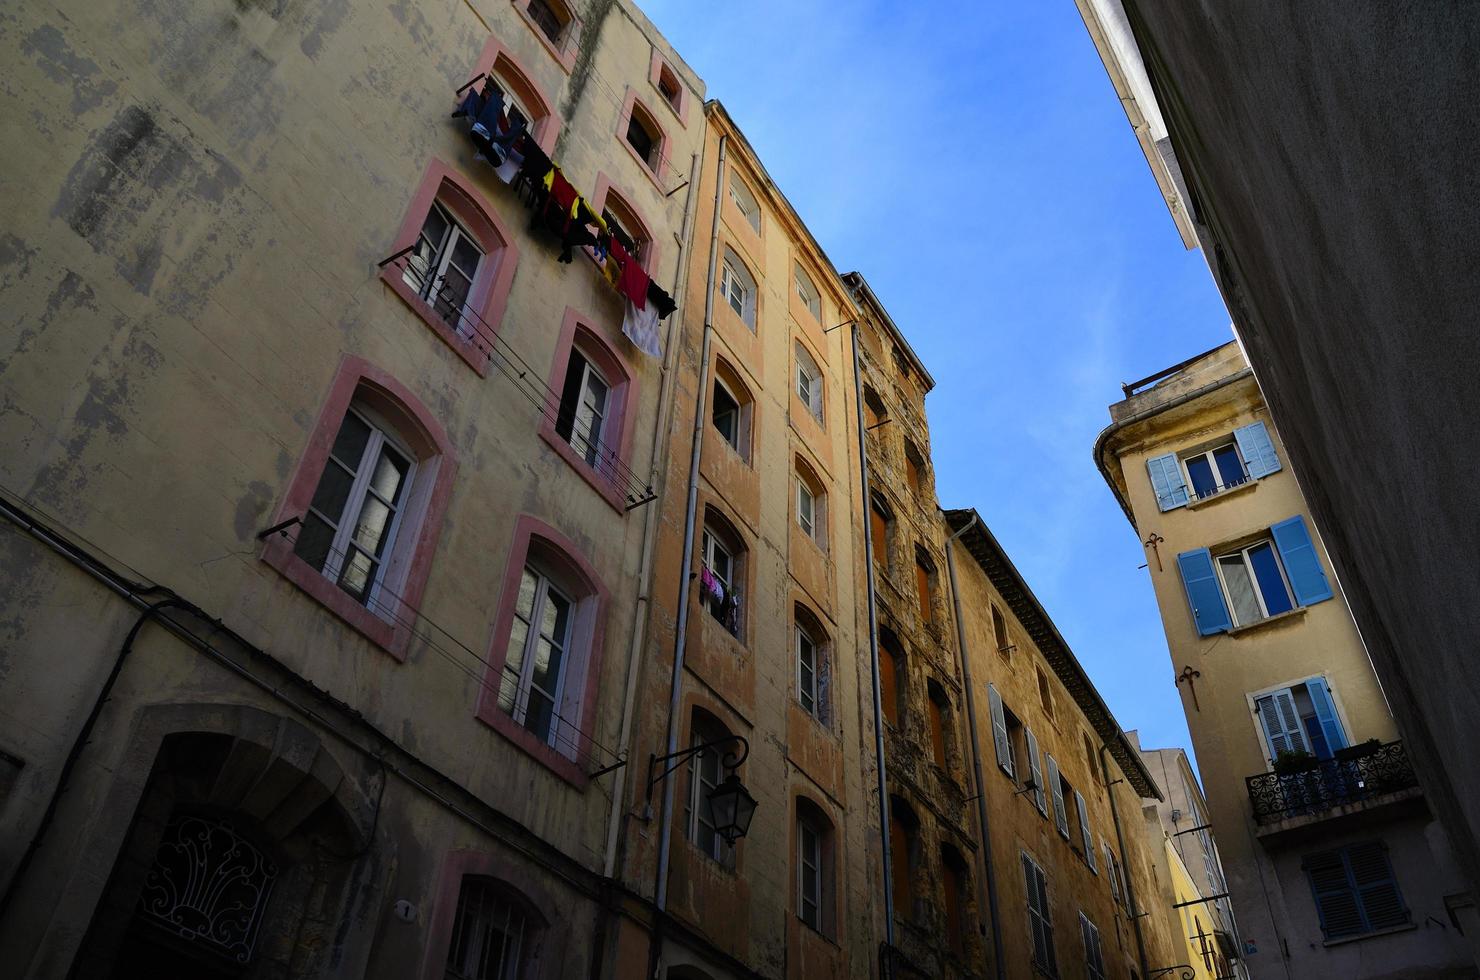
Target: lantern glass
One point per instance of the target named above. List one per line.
(730, 808)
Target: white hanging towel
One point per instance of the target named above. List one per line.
(641, 327)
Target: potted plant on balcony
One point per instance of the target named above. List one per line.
(1359, 751)
(1289, 763)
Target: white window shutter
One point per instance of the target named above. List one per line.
(999, 730)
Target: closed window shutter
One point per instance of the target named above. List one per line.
(1336, 902)
(1203, 592)
(1060, 817)
(1302, 566)
(1320, 697)
(1258, 449)
(1035, 772)
(1085, 835)
(1167, 482)
(999, 730)
(1377, 889)
(1281, 722)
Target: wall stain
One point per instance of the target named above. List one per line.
(55, 57)
(250, 510)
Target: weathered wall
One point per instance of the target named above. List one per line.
(1336, 191)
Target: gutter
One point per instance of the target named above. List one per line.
(1103, 439)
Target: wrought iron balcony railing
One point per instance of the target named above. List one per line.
(1357, 774)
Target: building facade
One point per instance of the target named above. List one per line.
(1330, 196)
(1333, 859)
(260, 277)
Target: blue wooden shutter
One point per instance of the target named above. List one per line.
(1302, 566)
(1336, 900)
(1281, 722)
(1258, 449)
(1035, 772)
(1320, 697)
(1203, 592)
(1166, 480)
(999, 730)
(1377, 889)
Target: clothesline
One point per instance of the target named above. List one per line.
(558, 208)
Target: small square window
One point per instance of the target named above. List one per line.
(551, 16)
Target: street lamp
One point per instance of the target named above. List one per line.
(730, 804)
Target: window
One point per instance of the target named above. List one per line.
(1086, 838)
(811, 504)
(940, 706)
(1045, 693)
(806, 508)
(924, 585)
(1035, 773)
(809, 382)
(902, 363)
(645, 138)
(914, 468)
(515, 105)
(999, 633)
(1089, 758)
(624, 224)
(892, 670)
(1111, 869)
(722, 572)
(1355, 890)
(1040, 918)
(737, 288)
(879, 518)
(551, 16)
(583, 413)
(669, 88)
(351, 525)
(1249, 454)
(814, 673)
(807, 292)
(904, 841)
(745, 202)
(1001, 737)
(1299, 719)
(874, 412)
(1056, 788)
(443, 266)
(814, 868)
(1094, 956)
(954, 887)
(490, 933)
(732, 409)
(1244, 585)
(705, 773)
(534, 667)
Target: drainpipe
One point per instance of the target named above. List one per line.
(989, 874)
(873, 646)
(661, 427)
(1130, 888)
(680, 637)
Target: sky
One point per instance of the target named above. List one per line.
(971, 159)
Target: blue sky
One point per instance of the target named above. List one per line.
(972, 161)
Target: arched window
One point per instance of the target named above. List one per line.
(706, 771)
(914, 467)
(665, 80)
(368, 495)
(811, 504)
(925, 584)
(625, 224)
(874, 411)
(816, 861)
(548, 619)
(732, 408)
(999, 633)
(904, 856)
(814, 665)
(745, 202)
(552, 17)
(737, 287)
(955, 880)
(880, 517)
(645, 137)
(722, 552)
(893, 676)
(808, 382)
(595, 389)
(940, 725)
(494, 932)
(807, 292)
(524, 100)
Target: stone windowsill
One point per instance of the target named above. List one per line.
(1405, 927)
(1295, 613)
(1197, 502)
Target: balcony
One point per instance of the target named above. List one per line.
(1358, 778)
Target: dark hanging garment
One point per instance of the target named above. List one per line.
(471, 106)
(656, 297)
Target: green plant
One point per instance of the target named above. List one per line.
(1288, 762)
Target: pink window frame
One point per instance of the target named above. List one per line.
(489, 296)
(581, 331)
(565, 53)
(629, 105)
(436, 458)
(604, 188)
(655, 72)
(589, 629)
(497, 60)
(537, 902)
